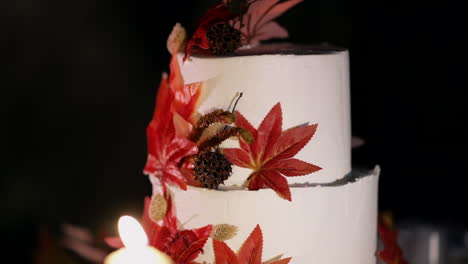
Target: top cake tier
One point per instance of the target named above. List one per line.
(312, 85)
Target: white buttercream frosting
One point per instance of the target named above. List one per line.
(312, 88)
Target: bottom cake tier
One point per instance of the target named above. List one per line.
(333, 223)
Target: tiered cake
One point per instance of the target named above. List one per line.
(329, 223)
(249, 148)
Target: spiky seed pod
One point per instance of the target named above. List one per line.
(158, 207)
(223, 38)
(223, 232)
(211, 169)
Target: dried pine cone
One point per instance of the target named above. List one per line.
(223, 39)
(211, 169)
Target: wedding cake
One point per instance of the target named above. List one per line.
(249, 148)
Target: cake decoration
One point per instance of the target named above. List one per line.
(182, 245)
(249, 253)
(195, 144)
(271, 153)
(230, 24)
(391, 253)
(181, 152)
(224, 232)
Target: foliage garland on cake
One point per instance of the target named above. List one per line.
(180, 153)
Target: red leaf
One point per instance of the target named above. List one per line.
(163, 102)
(166, 148)
(241, 121)
(291, 167)
(270, 155)
(277, 182)
(391, 253)
(223, 254)
(278, 10)
(270, 30)
(292, 141)
(189, 244)
(251, 250)
(258, 20)
(249, 253)
(268, 131)
(255, 181)
(185, 96)
(237, 156)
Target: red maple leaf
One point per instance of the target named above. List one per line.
(249, 253)
(216, 14)
(391, 252)
(166, 135)
(183, 246)
(258, 19)
(271, 154)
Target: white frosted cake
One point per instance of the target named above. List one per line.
(249, 148)
(332, 217)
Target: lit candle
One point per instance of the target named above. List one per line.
(136, 248)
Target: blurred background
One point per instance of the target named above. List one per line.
(78, 81)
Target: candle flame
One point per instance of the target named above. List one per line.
(132, 233)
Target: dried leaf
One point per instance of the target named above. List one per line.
(224, 232)
(158, 207)
(177, 39)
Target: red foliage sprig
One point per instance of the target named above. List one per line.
(216, 14)
(258, 20)
(253, 18)
(183, 246)
(249, 253)
(166, 135)
(270, 156)
(391, 252)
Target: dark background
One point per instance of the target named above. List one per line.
(78, 81)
